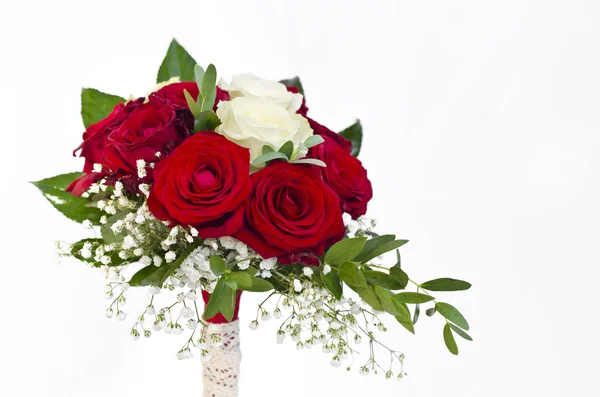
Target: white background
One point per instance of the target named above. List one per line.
(482, 139)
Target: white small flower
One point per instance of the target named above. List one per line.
(297, 285)
(335, 362)
(141, 168)
(140, 219)
(121, 316)
(364, 371)
(326, 269)
(277, 314)
(268, 264)
(266, 274)
(244, 265)
(254, 325)
(154, 290)
(150, 311)
(308, 272)
(170, 256)
(97, 168)
(228, 242)
(105, 260)
(145, 260)
(193, 232)
(192, 324)
(87, 224)
(138, 252)
(355, 309)
(187, 312)
(265, 316)
(85, 253)
(144, 188)
(157, 260)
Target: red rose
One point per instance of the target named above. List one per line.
(95, 138)
(150, 128)
(173, 95)
(326, 132)
(203, 183)
(303, 109)
(346, 176)
(291, 214)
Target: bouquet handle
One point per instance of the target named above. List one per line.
(221, 371)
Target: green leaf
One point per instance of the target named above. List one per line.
(208, 103)
(206, 121)
(430, 312)
(228, 303)
(149, 275)
(194, 108)
(452, 314)
(217, 298)
(373, 243)
(412, 297)
(269, 157)
(460, 332)
(354, 135)
(198, 75)
(251, 271)
(287, 149)
(416, 314)
(294, 82)
(344, 251)
(398, 260)
(332, 282)
(217, 265)
(385, 298)
(368, 295)
(108, 235)
(313, 140)
(407, 323)
(449, 340)
(351, 275)
(231, 284)
(259, 285)
(96, 105)
(310, 161)
(382, 249)
(243, 280)
(177, 63)
(446, 284)
(73, 207)
(399, 275)
(382, 279)
(267, 149)
(115, 260)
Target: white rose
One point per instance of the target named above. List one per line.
(254, 122)
(248, 85)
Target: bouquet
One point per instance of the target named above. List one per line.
(201, 190)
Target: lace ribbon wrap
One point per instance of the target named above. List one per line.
(222, 371)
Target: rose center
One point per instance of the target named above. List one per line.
(204, 179)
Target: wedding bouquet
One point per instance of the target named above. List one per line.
(202, 190)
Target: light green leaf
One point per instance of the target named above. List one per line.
(460, 332)
(177, 63)
(194, 108)
(216, 300)
(267, 149)
(198, 75)
(385, 298)
(382, 279)
(412, 297)
(344, 251)
(266, 157)
(73, 207)
(416, 314)
(231, 284)
(108, 235)
(351, 275)
(209, 81)
(452, 314)
(208, 103)
(217, 265)
(373, 243)
(243, 280)
(331, 280)
(368, 295)
(313, 140)
(446, 284)
(259, 285)
(310, 161)
(449, 340)
(96, 105)
(354, 135)
(407, 324)
(227, 306)
(293, 82)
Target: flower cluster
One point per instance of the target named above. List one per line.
(201, 190)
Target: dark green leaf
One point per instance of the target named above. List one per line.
(412, 297)
(398, 260)
(373, 243)
(294, 82)
(452, 314)
(430, 312)
(344, 251)
(446, 284)
(206, 121)
(399, 275)
(269, 156)
(75, 208)
(382, 279)
(332, 282)
(149, 275)
(228, 303)
(460, 332)
(351, 275)
(382, 249)
(287, 149)
(384, 296)
(177, 63)
(217, 297)
(407, 323)
(108, 235)
(449, 340)
(416, 314)
(354, 135)
(259, 285)
(402, 309)
(217, 265)
(243, 280)
(96, 105)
